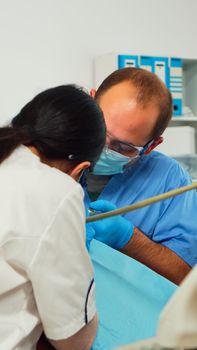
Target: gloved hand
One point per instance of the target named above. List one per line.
(115, 231)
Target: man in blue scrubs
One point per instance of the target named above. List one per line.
(137, 108)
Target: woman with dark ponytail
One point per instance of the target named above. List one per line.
(46, 275)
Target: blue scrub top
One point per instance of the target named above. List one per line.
(171, 222)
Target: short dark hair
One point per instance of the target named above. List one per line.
(63, 122)
(149, 88)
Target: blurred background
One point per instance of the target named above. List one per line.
(44, 43)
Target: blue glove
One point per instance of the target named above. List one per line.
(90, 233)
(115, 231)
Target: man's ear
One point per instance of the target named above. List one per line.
(155, 143)
(92, 93)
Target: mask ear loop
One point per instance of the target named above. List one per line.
(83, 177)
(132, 161)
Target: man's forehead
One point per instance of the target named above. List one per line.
(120, 90)
(117, 104)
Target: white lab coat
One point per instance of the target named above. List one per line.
(45, 271)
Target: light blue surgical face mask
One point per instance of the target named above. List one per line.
(111, 162)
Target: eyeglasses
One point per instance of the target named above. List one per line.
(126, 148)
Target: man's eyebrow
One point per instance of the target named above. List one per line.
(114, 138)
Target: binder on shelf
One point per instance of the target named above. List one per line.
(176, 84)
(146, 62)
(127, 61)
(160, 68)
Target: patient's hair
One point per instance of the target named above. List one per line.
(149, 89)
(63, 122)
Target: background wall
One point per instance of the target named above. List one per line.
(49, 42)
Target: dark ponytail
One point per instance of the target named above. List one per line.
(11, 138)
(62, 123)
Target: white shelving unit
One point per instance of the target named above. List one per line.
(185, 121)
(189, 95)
(182, 119)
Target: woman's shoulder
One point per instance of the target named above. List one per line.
(23, 173)
(52, 183)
